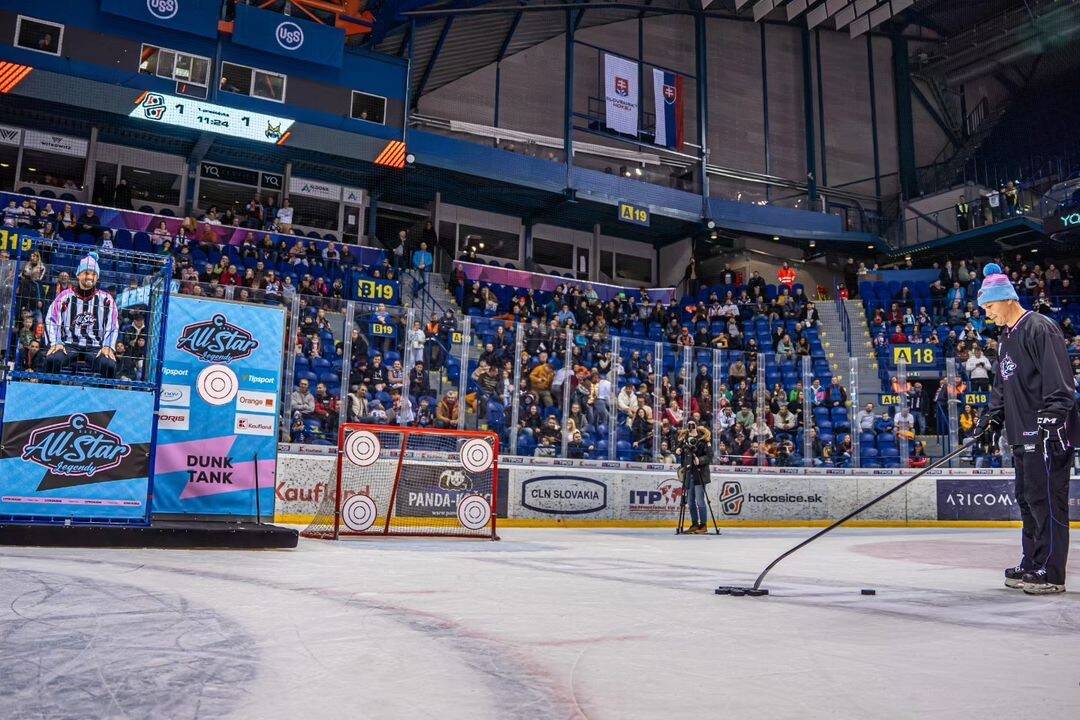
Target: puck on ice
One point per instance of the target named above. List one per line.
(867, 591)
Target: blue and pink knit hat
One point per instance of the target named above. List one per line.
(996, 286)
(90, 262)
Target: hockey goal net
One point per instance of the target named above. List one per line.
(410, 481)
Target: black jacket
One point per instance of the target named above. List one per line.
(695, 455)
(1034, 377)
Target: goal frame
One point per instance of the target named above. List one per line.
(406, 433)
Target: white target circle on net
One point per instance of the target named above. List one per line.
(217, 384)
(477, 455)
(474, 512)
(358, 513)
(362, 448)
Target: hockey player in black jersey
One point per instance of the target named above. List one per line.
(1034, 400)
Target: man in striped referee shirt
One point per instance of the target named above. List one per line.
(83, 322)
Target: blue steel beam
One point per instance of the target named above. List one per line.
(509, 36)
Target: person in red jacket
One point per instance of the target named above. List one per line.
(786, 275)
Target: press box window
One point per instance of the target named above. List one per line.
(173, 65)
(489, 242)
(38, 35)
(371, 108)
(244, 80)
(553, 253)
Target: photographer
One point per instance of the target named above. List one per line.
(695, 453)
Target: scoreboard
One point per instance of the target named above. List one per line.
(196, 114)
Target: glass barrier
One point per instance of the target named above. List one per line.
(854, 407)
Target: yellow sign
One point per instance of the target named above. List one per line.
(915, 355)
(976, 398)
(634, 214)
(380, 329)
(455, 337)
(14, 241)
(889, 399)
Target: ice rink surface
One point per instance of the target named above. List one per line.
(544, 624)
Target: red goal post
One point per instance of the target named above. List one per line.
(392, 480)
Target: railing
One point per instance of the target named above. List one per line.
(845, 319)
(927, 226)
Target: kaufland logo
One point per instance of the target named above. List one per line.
(289, 35)
(75, 447)
(622, 86)
(216, 341)
(163, 9)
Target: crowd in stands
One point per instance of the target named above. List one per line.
(942, 314)
(588, 376)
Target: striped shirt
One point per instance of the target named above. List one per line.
(93, 322)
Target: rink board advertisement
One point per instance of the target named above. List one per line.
(302, 482)
(72, 452)
(218, 409)
(988, 499)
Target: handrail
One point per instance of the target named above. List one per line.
(845, 319)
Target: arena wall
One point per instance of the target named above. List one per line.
(554, 492)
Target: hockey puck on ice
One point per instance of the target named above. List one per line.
(867, 591)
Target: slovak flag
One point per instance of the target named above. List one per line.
(668, 99)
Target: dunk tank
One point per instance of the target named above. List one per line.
(133, 416)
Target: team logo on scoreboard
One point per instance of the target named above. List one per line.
(163, 9)
(273, 132)
(289, 35)
(216, 340)
(75, 447)
(153, 106)
(622, 86)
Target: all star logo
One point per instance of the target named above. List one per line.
(75, 447)
(1008, 367)
(217, 341)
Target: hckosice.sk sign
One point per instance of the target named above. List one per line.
(563, 495)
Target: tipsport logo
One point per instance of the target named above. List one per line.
(216, 341)
(75, 447)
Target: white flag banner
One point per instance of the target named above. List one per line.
(621, 94)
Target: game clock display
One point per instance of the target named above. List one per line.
(198, 115)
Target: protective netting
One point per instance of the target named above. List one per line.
(410, 481)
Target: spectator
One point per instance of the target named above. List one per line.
(865, 418)
(422, 260)
(963, 214)
(302, 401)
(448, 411)
(786, 275)
(836, 396)
(978, 368)
(540, 380)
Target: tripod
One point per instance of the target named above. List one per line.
(682, 507)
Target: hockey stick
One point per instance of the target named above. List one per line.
(756, 589)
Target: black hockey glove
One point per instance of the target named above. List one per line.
(1051, 433)
(988, 423)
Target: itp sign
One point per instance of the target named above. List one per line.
(163, 9)
(289, 35)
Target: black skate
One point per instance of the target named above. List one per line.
(1014, 577)
(1035, 583)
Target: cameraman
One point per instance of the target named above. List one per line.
(695, 453)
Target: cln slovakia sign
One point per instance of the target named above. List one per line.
(217, 341)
